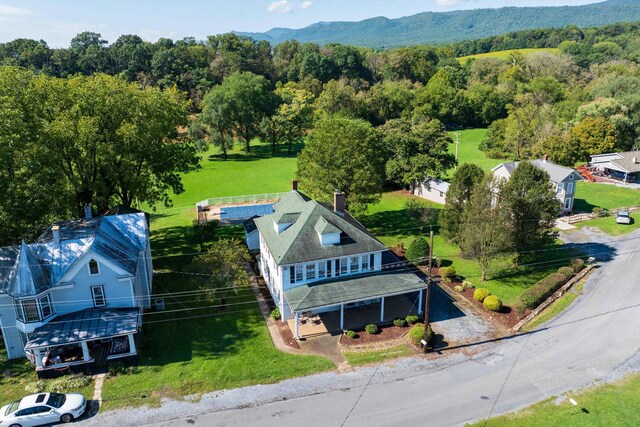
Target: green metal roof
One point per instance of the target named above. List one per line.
(352, 289)
(300, 241)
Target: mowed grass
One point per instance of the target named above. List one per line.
(468, 151)
(591, 195)
(377, 356)
(609, 226)
(557, 307)
(203, 349)
(613, 404)
(504, 54)
(391, 224)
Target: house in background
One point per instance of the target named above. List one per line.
(432, 189)
(622, 166)
(562, 178)
(73, 298)
(317, 259)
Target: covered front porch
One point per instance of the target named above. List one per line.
(83, 340)
(353, 302)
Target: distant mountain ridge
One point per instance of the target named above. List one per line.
(444, 27)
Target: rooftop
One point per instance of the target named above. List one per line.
(556, 172)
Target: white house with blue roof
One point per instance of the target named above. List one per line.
(316, 258)
(74, 297)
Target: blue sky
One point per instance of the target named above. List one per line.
(58, 21)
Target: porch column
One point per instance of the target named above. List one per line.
(85, 351)
(420, 302)
(132, 344)
(342, 317)
(38, 355)
(382, 309)
(297, 317)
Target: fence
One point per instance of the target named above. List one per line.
(253, 198)
(587, 216)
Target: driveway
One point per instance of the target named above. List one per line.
(596, 339)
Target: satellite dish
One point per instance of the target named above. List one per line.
(573, 402)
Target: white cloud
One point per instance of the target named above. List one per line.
(306, 5)
(448, 2)
(13, 11)
(280, 6)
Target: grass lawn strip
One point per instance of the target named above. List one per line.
(609, 226)
(359, 358)
(605, 405)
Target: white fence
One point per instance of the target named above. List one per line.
(253, 198)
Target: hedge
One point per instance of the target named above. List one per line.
(577, 265)
(418, 251)
(535, 295)
(492, 303)
(447, 272)
(412, 319)
(567, 271)
(480, 294)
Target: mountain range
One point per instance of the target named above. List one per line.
(444, 27)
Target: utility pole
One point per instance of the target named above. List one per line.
(457, 134)
(425, 348)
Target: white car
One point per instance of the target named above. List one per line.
(622, 217)
(43, 408)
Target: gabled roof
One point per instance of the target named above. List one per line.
(437, 184)
(628, 161)
(556, 173)
(33, 268)
(250, 225)
(301, 243)
(325, 227)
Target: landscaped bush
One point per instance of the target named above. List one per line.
(577, 265)
(399, 322)
(371, 329)
(275, 314)
(447, 273)
(416, 334)
(68, 383)
(567, 271)
(532, 297)
(459, 288)
(600, 212)
(492, 303)
(351, 334)
(480, 294)
(418, 250)
(467, 285)
(412, 319)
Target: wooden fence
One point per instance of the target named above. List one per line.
(587, 216)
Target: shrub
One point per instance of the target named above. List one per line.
(447, 272)
(275, 314)
(35, 387)
(519, 307)
(480, 294)
(418, 250)
(567, 271)
(467, 285)
(412, 319)
(69, 383)
(416, 334)
(459, 288)
(399, 322)
(119, 368)
(371, 329)
(600, 212)
(438, 261)
(577, 265)
(532, 297)
(351, 334)
(492, 303)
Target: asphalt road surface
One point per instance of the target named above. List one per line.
(596, 339)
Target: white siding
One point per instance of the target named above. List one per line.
(9, 332)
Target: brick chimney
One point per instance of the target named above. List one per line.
(294, 185)
(338, 201)
(55, 229)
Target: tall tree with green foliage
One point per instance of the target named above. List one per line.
(418, 149)
(483, 235)
(530, 200)
(464, 181)
(345, 155)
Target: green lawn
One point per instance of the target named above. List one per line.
(609, 226)
(605, 405)
(590, 195)
(504, 54)
(468, 151)
(220, 349)
(376, 356)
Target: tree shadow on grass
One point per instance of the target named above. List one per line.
(396, 223)
(581, 205)
(170, 246)
(258, 152)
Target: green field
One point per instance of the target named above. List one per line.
(504, 54)
(590, 195)
(609, 226)
(468, 151)
(606, 405)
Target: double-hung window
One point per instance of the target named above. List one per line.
(292, 275)
(344, 266)
(569, 187)
(30, 310)
(98, 296)
(354, 264)
(365, 262)
(311, 271)
(322, 270)
(299, 276)
(45, 306)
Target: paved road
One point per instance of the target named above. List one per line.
(597, 338)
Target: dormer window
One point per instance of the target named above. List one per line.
(328, 233)
(94, 270)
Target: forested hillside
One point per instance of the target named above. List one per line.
(445, 27)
